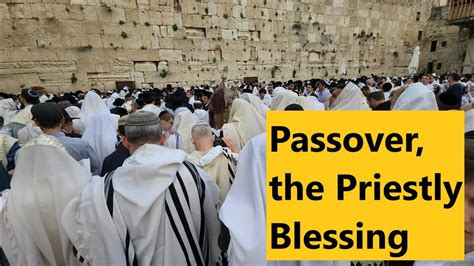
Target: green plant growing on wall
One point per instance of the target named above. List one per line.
(121, 22)
(147, 24)
(144, 47)
(164, 73)
(214, 60)
(73, 78)
(242, 15)
(226, 16)
(124, 35)
(175, 27)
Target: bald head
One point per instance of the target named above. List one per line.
(202, 137)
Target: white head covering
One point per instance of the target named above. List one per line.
(92, 106)
(46, 179)
(24, 116)
(244, 122)
(416, 97)
(282, 99)
(28, 133)
(184, 121)
(74, 112)
(101, 135)
(310, 103)
(277, 91)
(244, 208)
(350, 98)
(8, 109)
(202, 115)
(256, 103)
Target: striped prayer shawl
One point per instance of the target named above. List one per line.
(186, 228)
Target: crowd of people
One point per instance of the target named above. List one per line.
(172, 176)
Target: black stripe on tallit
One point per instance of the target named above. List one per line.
(135, 260)
(231, 174)
(127, 245)
(176, 232)
(183, 187)
(74, 252)
(202, 193)
(187, 229)
(110, 193)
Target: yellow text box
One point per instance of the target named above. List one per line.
(344, 202)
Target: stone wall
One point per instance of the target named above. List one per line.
(78, 44)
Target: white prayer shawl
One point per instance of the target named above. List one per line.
(74, 112)
(184, 121)
(350, 98)
(92, 105)
(267, 100)
(6, 143)
(45, 181)
(24, 116)
(202, 115)
(256, 103)
(468, 261)
(29, 132)
(8, 109)
(151, 108)
(174, 223)
(310, 103)
(416, 97)
(244, 123)
(101, 135)
(282, 99)
(243, 211)
(220, 164)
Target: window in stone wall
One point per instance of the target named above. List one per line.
(420, 35)
(444, 44)
(438, 66)
(434, 44)
(418, 15)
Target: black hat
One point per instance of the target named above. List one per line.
(119, 102)
(47, 115)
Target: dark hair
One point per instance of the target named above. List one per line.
(386, 87)
(294, 107)
(30, 96)
(262, 91)
(365, 88)
(197, 105)
(121, 130)
(455, 76)
(2, 120)
(376, 95)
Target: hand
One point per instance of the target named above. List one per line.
(231, 144)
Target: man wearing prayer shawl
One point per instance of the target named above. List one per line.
(416, 97)
(244, 123)
(219, 162)
(46, 179)
(349, 97)
(243, 211)
(28, 98)
(157, 209)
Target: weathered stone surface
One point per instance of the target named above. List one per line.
(103, 41)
